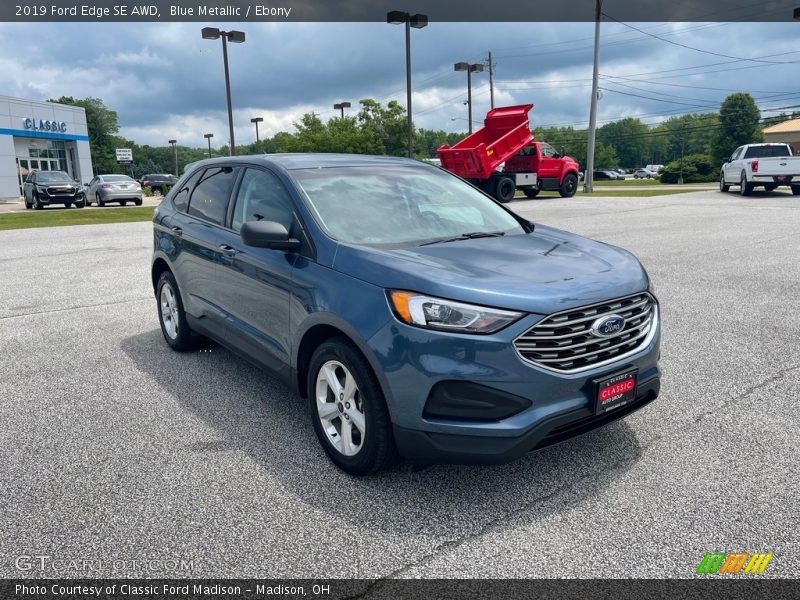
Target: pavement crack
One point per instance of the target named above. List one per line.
(733, 399)
(79, 307)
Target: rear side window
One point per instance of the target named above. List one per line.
(181, 197)
(210, 196)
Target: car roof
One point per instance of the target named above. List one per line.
(291, 162)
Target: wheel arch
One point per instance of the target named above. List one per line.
(316, 334)
(159, 266)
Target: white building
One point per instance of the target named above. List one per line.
(41, 136)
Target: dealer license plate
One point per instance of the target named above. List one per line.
(615, 391)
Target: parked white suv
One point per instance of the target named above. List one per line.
(768, 165)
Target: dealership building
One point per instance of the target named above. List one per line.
(42, 136)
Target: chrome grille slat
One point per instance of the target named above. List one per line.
(594, 316)
(530, 346)
(564, 341)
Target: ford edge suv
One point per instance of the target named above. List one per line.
(414, 313)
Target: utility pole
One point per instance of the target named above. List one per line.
(587, 180)
(491, 66)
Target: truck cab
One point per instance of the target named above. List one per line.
(552, 169)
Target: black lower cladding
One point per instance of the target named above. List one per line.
(464, 400)
(428, 448)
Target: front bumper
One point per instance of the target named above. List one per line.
(60, 199)
(429, 448)
(414, 361)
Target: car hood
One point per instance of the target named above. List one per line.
(542, 272)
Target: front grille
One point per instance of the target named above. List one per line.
(60, 190)
(564, 341)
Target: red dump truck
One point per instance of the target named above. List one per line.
(505, 139)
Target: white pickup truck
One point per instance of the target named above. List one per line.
(768, 165)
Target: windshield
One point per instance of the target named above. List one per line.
(399, 205)
(775, 151)
(53, 177)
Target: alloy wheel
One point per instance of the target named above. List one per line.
(340, 409)
(169, 311)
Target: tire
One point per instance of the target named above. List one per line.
(28, 205)
(67, 204)
(745, 189)
(156, 190)
(723, 187)
(568, 186)
(123, 203)
(138, 202)
(363, 449)
(796, 190)
(99, 200)
(531, 191)
(171, 315)
(504, 189)
(80, 204)
(37, 204)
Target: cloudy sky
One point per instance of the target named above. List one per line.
(166, 82)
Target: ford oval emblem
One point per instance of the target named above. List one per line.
(608, 326)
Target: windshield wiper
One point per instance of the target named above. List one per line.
(467, 236)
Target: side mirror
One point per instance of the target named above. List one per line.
(268, 234)
(85, 185)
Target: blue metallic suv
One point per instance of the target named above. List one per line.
(416, 314)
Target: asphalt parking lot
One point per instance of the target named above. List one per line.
(115, 448)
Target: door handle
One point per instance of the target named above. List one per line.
(228, 250)
(177, 230)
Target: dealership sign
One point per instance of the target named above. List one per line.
(42, 125)
(124, 156)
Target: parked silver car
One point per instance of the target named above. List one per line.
(114, 188)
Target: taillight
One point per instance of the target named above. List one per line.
(754, 166)
(106, 186)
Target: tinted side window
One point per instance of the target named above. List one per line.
(261, 197)
(181, 197)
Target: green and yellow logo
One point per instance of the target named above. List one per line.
(734, 563)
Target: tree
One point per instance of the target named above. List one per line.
(103, 126)
(739, 120)
(630, 138)
(605, 156)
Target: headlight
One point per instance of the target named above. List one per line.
(446, 315)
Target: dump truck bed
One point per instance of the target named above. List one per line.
(505, 132)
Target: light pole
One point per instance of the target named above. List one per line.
(341, 106)
(208, 136)
(257, 120)
(470, 69)
(418, 21)
(175, 150)
(235, 37)
(588, 179)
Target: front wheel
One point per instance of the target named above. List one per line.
(348, 409)
(171, 315)
(569, 186)
(723, 187)
(37, 204)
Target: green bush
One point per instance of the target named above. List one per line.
(697, 168)
(147, 190)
